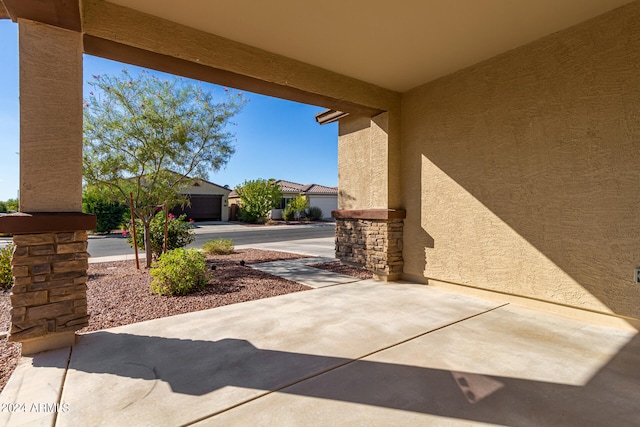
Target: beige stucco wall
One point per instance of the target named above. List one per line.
(368, 162)
(522, 174)
(50, 118)
(354, 163)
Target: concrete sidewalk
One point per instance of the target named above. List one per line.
(359, 353)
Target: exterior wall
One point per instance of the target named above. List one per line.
(520, 174)
(368, 190)
(354, 164)
(369, 162)
(375, 244)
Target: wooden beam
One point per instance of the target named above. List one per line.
(3, 12)
(127, 35)
(168, 64)
(59, 13)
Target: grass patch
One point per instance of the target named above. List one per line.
(218, 247)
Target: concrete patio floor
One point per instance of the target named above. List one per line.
(358, 353)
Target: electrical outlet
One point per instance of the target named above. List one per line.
(636, 276)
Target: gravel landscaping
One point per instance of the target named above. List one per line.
(118, 294)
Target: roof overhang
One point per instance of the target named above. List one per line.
(393, 45)
(356, 56)
(329, 116)
(59, 13)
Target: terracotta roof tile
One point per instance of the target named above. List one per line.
(294, 187)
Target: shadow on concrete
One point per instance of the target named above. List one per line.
(196, 367)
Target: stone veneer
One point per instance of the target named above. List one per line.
(371, 238)
(50, 284)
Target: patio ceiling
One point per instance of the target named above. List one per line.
(394, 45)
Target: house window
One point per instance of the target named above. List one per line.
(284, 202)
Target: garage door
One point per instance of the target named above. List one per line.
(327, 204)
(203, 208)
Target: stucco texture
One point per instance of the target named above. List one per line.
(50, 118)
(521, 174)
(354, 164)
(369, 162)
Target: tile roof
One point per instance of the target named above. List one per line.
(320, 189)
(294, 187)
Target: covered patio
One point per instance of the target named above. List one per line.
(362, 353)
(488, 149)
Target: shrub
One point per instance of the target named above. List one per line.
(109, 214)
(3, 207)
(314, 213)
(299, 205)
(257, 198)
(6, 278)
(288, 214)
(179, 272)
(218, 247)
(180, 233)
(12, 205)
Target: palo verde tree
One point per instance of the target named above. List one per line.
(147, 137)
(258, 197)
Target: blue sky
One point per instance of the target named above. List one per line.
(274, 138)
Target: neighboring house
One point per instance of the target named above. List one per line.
(208, 202)
(323, 197)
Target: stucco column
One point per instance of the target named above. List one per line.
(369, 219)
(49, 263)
(50, 118)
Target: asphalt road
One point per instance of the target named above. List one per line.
(100, 246)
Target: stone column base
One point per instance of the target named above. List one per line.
(48, 342)
(372, 239)
(49, 266)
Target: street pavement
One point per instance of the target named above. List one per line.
(308, 239)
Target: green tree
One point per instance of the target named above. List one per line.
(299, 205)
(257, 198)
(3, 207)
(179, 233)
(110, 214)
(148, 137)
(12, 205)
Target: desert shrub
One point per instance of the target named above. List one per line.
(299, 206)
(110, 215)
(288, 214)
(314, 213)
(6, 278)
(257, 198)
(179, 272)
(180, 233)
(219, 247)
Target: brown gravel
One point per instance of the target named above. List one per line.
(9, 351)
(118, 294)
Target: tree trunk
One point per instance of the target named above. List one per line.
(147, 243)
